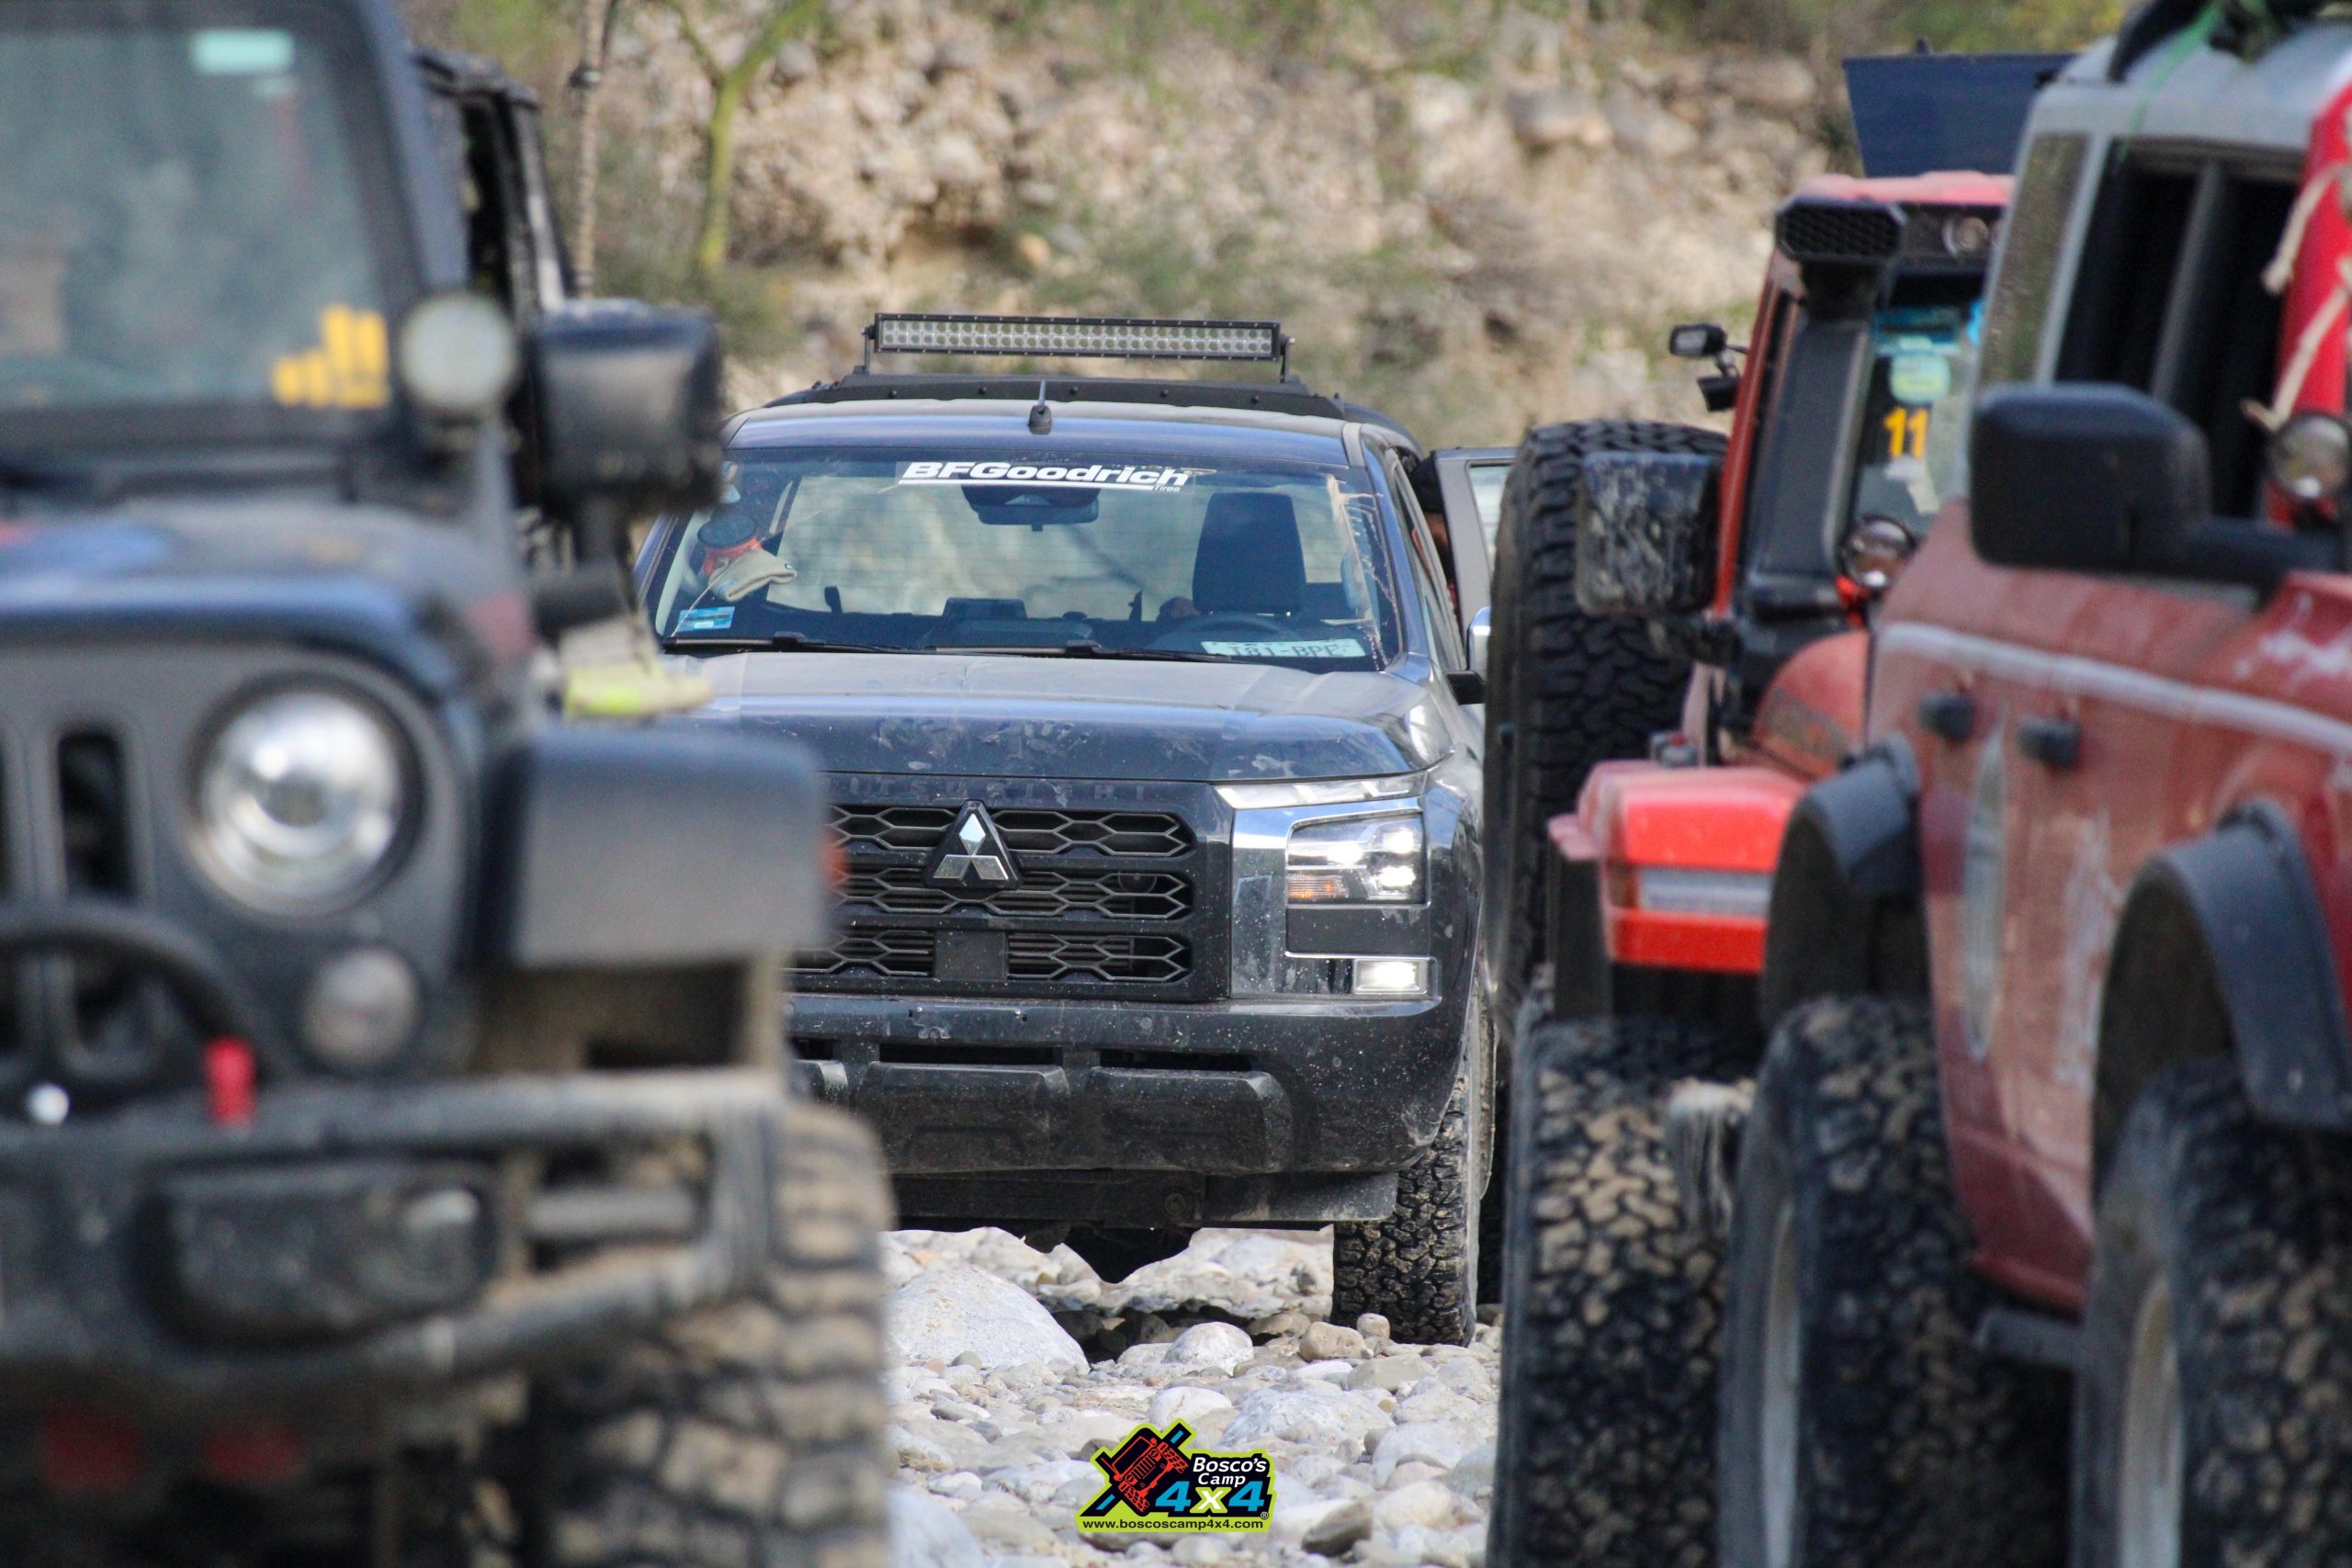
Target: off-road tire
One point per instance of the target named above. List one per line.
(749, 1436)
(1909, 1448)
(1565, 690)
(2248, 1230)
(1418, 1267)
(1605, 1441)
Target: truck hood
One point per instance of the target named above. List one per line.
(964, 714)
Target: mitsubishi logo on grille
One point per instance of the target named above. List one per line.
(971, 855)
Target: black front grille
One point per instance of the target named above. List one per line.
(1104, 960)
(1114, 894)
(876, 954)
(1111, 897)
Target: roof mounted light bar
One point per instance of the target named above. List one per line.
(1083, 337)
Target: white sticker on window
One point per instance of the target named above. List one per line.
(242, 51)
(1048, 476)
(1326, 648)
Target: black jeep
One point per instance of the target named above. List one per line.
(1144, 706)
(395, 1164)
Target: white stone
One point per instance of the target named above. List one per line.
(925, 1533)
(949, 1312)
(1218, 1344)
(1328, 1526)
(1037, 1484)
(1327, 1341)
(1439, 1443)
(960, 1485)
(1438, 1405)
(1203, 1409)
(1310, 1415)
(1326, 1372)
(1429, 1504)
(1473, 1475)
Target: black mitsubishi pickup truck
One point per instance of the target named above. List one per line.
(1143, 704)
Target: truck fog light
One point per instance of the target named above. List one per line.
(1391, 977)
(362, 1007)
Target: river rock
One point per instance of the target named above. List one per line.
(925, 1533)
(1314, 1414)
(947, 1312)
(1217, 1345)
(1439, 1443)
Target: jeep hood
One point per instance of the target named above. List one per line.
(1029, 717)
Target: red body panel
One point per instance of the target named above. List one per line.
(2189, 703)
(1811, 719)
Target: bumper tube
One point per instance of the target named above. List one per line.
(84, 1250)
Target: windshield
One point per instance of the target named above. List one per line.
(182, 223)
(1093, 552)
(1917, 385)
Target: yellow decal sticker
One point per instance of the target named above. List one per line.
(351, 369)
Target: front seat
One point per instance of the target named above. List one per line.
(1250, 561)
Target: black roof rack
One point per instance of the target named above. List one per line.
(1288, 396)
(2238, 28)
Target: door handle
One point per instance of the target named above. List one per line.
(1951, 715)
(2053, 742)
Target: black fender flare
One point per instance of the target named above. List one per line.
(2247, 894)
(1850, 861)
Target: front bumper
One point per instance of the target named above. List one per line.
(119, 1252)
(1122, 1113)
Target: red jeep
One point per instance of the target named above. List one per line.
(2060, 1075)
(1745, 648)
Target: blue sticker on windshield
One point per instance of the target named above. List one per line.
(717, 619)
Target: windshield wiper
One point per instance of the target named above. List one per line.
(774, 642)
(1085, 648)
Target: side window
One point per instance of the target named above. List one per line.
(2033, 239)
(1771, 353)
(2171, 300)
(1428, 578)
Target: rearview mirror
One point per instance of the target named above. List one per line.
(630, 409)
(1647, 532)
(2103, 479)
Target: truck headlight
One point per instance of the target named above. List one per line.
(1366, 860)
(299, 801)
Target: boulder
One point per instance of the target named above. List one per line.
(1441, 1444)
(925, 1533)
(1312, 1414)
(1557, 117)
(949, 1312)
(1217, 1345)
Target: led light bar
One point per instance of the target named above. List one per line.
(1087, 337)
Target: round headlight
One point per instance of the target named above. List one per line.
(2311, 457)
(1874, 552)
(298, 802)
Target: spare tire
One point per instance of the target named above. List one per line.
(1565, 690)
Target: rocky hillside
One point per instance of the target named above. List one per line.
(1475, 223)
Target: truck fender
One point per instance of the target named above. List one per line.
(2242, 899)
(1843, 916)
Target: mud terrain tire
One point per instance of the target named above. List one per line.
(1605, 1446)
(2230, 1243)
(1418, 1267)
(1571, 689)
(1858, 1420)
(749, 1436)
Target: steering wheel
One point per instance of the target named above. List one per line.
(1223, 623)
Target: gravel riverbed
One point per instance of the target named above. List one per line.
(1013, 1365)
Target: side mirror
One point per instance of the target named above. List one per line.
(2102, 478)
(630, 409)
(2082, 478)
(1468, 686)
(1647, 533)
(1482, 637)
